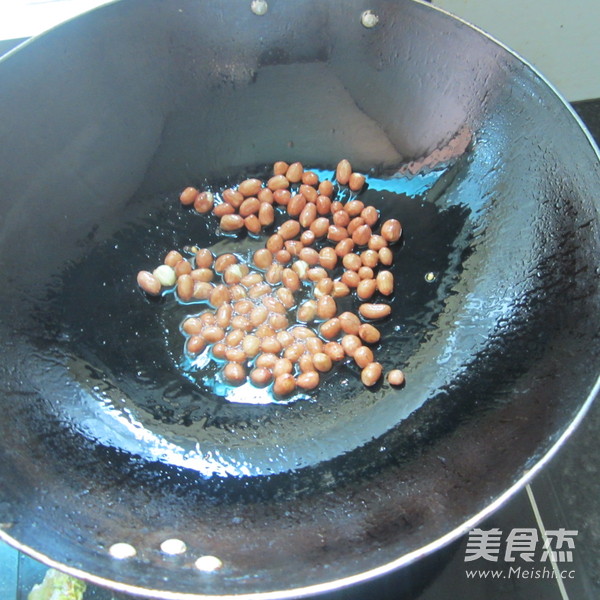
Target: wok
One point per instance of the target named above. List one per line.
(105, 118)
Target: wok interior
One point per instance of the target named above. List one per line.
(112, 113)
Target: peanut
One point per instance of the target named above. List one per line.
(283, 257)
(183, 268)
(284, 384)
(235, 273)
(391, 230)
(250, 206)
(366, 288)
(305, 363)
(325, 188)
(275, 243)
(307, 237)
(252, 224)
(350, 279)
(363, 356)
(322, 362)
(286, 297)
(307, 215)
(323, 205)
(313, 345)
(166, 275)
(317, 273)
(218, 350)
(330, 328)
(371, 373)
(309, 192)
(374, 311)
(192, 326)
(344, 247)
(334, 350)
(296, 205)
(260, 376)
(354, 224)
(309, 255)
(343, 172)
(278, 182)
(350, 343)
(307, 311)
(188, 196)
(288, 230)
(336, 234)
(149, 283)
(356, 182)
(282, 197)
(220, 210)
(204, 258)
(224, 314)
(267, 361)
(172, 258)
(327, 258)
(234, 338)
(195, 344)
(326, 307)
(235, 355)
(185, 288)
(368, 333)
(280, 168)
(370, 215)
(366, 273)
(266, 214)
(259, 315)
(354, 208)
(251, 345)
(362, 235)
(271, 345)
(265, 196)
(308, 381)
(350, 323)
(369, 258)
(310, 178)
(385, 282)
(263, 258)
(352, 261)
(320, 226)
(218, 295)
(233, 197)
(204, 202)
(341, 218)
(377, 242)
(282, 366)
(386, 257)
(340, 289)
(212, 334)
(250, 187)
(202, 290)
(223, 261)
(300, 267)
(273, 275)
(294, 172)
(395, 377)
(234, 373)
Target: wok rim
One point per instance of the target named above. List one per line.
(336, 584)
(408, 558)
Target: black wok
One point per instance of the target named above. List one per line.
(104, 119)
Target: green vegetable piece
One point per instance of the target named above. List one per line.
(57, 586)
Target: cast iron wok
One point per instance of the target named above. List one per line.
(104, 119)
